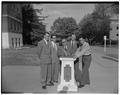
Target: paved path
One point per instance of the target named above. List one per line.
(110, 51)
(103, 76)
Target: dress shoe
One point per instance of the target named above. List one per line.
(56, 81)
(80, 86)
(44, 87)
(88, 83)
(50, 84)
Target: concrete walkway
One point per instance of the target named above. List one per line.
(26, 79)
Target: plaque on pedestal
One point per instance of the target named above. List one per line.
(67, 78)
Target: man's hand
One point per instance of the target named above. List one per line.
(75, 56)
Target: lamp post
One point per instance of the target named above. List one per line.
(105, 38)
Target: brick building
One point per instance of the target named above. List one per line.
(11, 25)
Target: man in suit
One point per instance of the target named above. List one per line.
(72, 47)
(44, 54)
(63, 50)
(55, 60)
(85, 53)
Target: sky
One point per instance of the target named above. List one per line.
(53, 11)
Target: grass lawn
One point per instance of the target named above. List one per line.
(28, 56)
(25, 56)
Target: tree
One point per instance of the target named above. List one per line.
(112, 8)
(102, 21)
(87, 27)
(33, 27)
(64, 27)
(96, 24)
(37, 33)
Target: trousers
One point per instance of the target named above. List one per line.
(45, 73)
(86, 61)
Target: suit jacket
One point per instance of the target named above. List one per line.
(62, 52)
(72, 49)
(54, 54)
(44, 52)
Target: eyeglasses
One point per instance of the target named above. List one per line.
(80, 40)
(63, 42)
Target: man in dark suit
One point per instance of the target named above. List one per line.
(44, 54)
(72, 47)
(63, 50)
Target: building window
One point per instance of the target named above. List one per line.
(14, 6)
(117, 27)
(12, 42)
(16, 26)
(19, 28)
(110, 28)
(16, 42)
(13, 24)
(19, 42)
(17, 9)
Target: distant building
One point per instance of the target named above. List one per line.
(11, 25)
(114, 27)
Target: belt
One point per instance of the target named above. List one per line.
(87, 55)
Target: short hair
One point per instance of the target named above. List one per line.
(53, 36)
(82, 36)
(63, 40)
(46, 33)
(73, 34)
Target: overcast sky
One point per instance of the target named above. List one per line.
(77, 11)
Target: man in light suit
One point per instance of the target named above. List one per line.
(44, 54)
(55, 60)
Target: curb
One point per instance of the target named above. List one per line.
(111, 58)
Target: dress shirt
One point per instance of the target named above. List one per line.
(45, 41)
(54, 45)
(84, 50)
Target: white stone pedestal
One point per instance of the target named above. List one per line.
(69, 85)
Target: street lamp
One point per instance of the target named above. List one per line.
(105, 38)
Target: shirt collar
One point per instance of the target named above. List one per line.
(84, 43)
(45, 41)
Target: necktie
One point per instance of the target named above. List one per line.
(65, 50)
(55, 46)
(72, 44)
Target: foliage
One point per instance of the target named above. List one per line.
(94, 26)
(64, 27)
(112, 8)
(32, 28)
